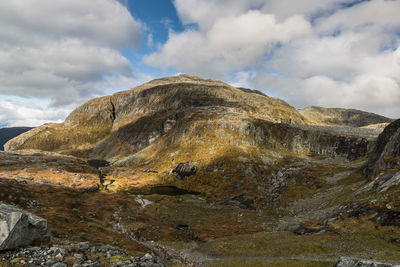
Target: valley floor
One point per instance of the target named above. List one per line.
(310, 224)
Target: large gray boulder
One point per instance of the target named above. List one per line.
(20, 228)
(354, 262)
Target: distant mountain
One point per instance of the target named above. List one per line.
(341, 117)
(9, 133)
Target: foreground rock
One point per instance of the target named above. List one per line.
(20, 228)
(81, 254)
(352, 262)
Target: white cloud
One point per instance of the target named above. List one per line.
(97, 22)
(368, 81)
(64, 50)
(231, 43)
(335, 53)
(377, 13)
(206, 13)
(359, 92)
(18, 114)
(357, 68)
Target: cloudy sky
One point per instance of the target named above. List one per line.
(56, 54)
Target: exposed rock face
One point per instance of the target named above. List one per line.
(20, 228)
(352, 262)
(341, 117)
(386, 153)
(324, 141)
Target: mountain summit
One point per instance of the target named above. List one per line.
(239, 134)
(131, 120)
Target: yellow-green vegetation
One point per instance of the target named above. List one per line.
(17, 260)
(114, 259)
(99, 257)
(362, 241)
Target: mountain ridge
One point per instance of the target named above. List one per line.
(316, 115)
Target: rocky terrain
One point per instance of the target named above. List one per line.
(185, 171)
(80, 254)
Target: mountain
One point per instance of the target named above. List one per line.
(238, 134)
(341, 117)
(138, 117)
(202, 173)
(9, 133)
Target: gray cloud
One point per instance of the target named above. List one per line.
(64, 50)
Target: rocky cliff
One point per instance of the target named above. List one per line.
(341, 117)
(386, 155)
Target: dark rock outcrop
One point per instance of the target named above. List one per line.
(386, 154)
(19, 228)
(304, 230)
(183, 170)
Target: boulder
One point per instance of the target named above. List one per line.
(20, 228)
(352, 262)
(182, 170)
